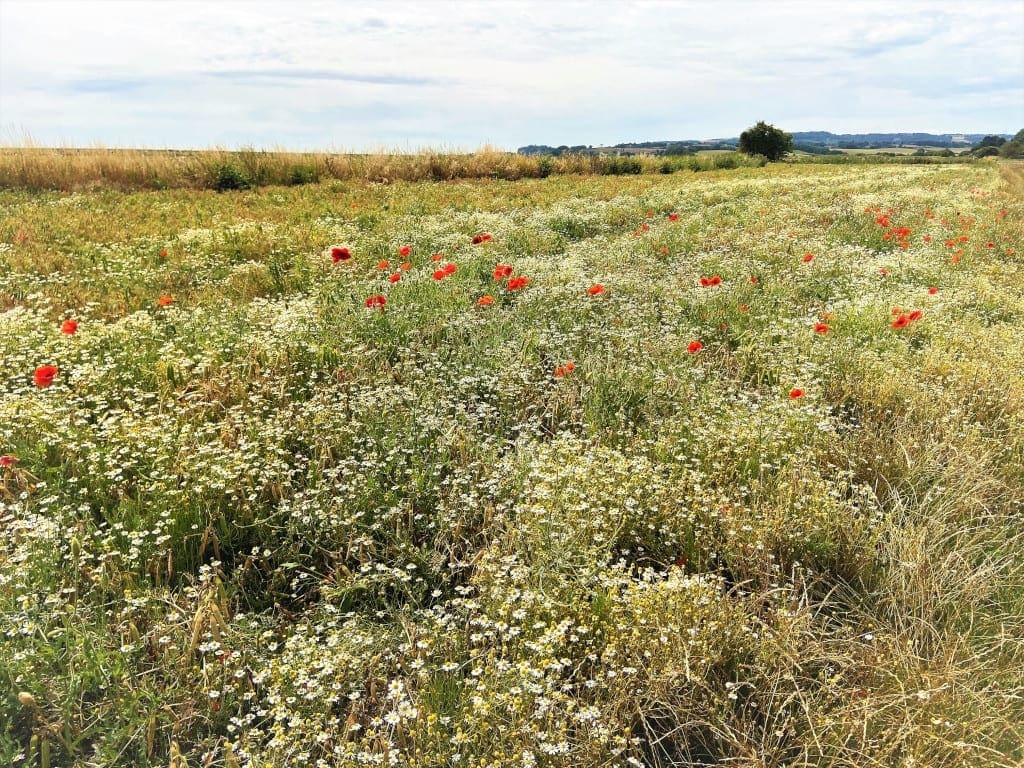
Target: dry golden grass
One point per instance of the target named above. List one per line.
(38, 168)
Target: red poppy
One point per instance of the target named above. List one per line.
(708, 282)
(502, 271)
(990, 244)
(883, 271)
(744, 308)
(596, 289)
(405, 266)
(376, 302)
(383, 264)
(901, 322)
(650, 213)
(933, 290)
(44, 375)
(395, 277)
(673, 217)
(956, 258)
(163, 254)
(927, 238)
(477, 239)
(518, 282)
(449, 269)
(795, 393)
(485, 301)
(754, 280)
(340, 254)
(165, 301)
(8, 461)
(664, 250)
(821, 328)
(917, 314)
(716, 280)
(440, 274)
(405, 250)
(69, 327)
(694, 347)
(808, 258)
(963, 238)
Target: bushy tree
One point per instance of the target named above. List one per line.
(1013, 150)
(765, 139)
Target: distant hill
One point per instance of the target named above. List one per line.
(807, 141)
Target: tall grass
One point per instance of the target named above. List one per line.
(39, 168)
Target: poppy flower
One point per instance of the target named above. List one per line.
(518, 282)
(901, 322)
(990, 244)
(502, 271)
(664, 250)
(376, 302)
(694, 347)
(340, 254)
(933, 290)
(44, 375)
(744, 308)
(440, 274)
(8, 461)
(562, 370)
(808, 258)
(673, 217)
(69, 327)
(436, 257)
(405, 266)
(165, 301)
(883, 272)
(927, 238)
(485, 301)
(477, 239)
(383, 264)
(956, 258)
(649, 214)
(796, 393)
(821, 328)
(405, 250)
(754, 280)
(708, 282)
(395, 277)
(596, 289)
(449, 269)
(917, 314)
(163, 254)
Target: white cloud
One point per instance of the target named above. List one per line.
(419, 73)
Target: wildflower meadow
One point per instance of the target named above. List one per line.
(694, 468)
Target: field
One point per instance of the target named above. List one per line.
(718, 468)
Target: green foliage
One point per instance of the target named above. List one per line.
(1012, 150)
(229, 176)
(767, 140)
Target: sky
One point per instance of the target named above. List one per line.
(356, 76)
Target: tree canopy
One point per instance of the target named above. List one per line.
(765, 139)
